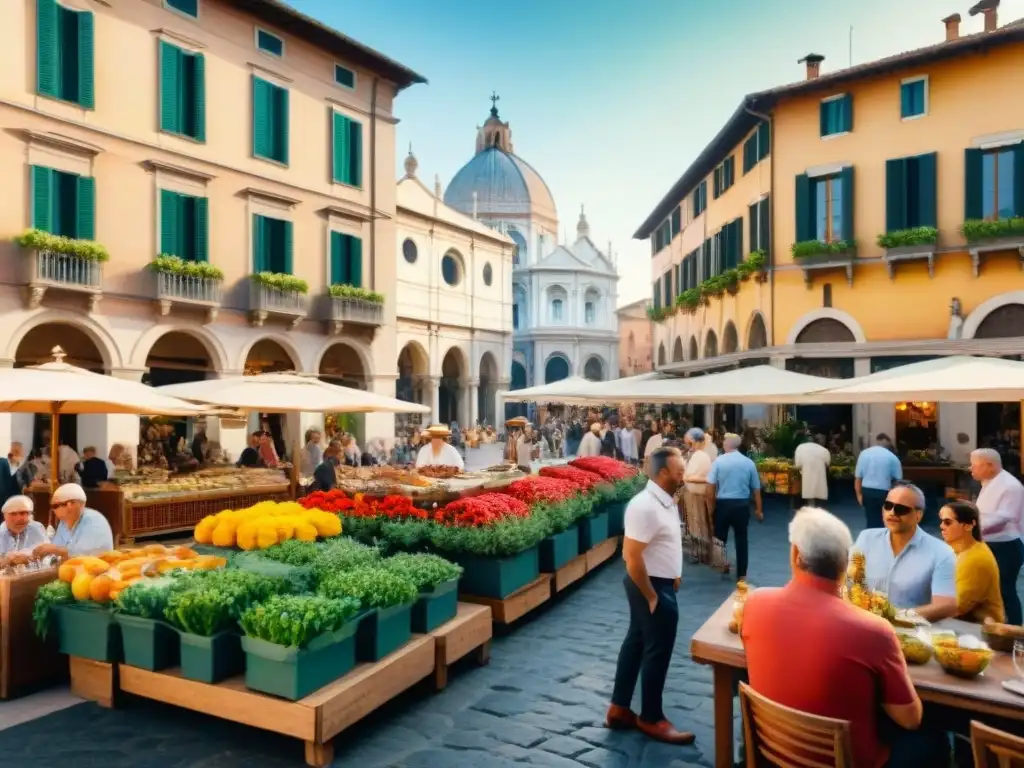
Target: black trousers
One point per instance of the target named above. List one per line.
(873, 500)
(647, 649)
(735, 514)
(1010, 557)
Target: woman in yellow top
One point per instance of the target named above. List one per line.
(977, 574)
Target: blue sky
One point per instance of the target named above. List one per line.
(610, 101)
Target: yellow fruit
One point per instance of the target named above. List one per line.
(114, 593)
(112, 557)
(266, 534)
(155, 549)
(184, 553)
(94, 566)
(326, 524)
(73, 561)
(246, 536)
(305, 532)
(224, 534)
(99, 588)
(67, 571)
(285, 528)
(80, 586)
(129, 573)
(204, 530)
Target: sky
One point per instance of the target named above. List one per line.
(611, 101)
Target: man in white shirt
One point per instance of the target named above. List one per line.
(19, 533)
(653, 551)
(1001, 508)
(813, 459)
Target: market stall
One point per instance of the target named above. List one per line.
(26, 662)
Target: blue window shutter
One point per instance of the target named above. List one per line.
(170, 222)
(1018, 179)
(86, 66)
(355, 262)
(341, 148)
(972, 184)
(927, 190)
(170, 88)
(286, 238)
(338, 258)
(261, 146)
(47, 48)
(846, 180)
(42, 198)
(906, 100)
(847, 113)
(764, 236)
(895, 194)
(202, 231)
(823, 118)
(199, 96)
(85, 226)
(259, 244)
(804, 209)
(281, 118)
(356, 133)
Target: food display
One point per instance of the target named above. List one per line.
(435, 483)
(266, 524)
(440, 472)
(842, 466)
(778, 476)
(964, 656)
(161, 484)
(1001, 637)
(915, 647)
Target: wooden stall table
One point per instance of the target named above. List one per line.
(715, 645)
(25, 660)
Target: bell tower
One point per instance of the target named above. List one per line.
(494, 133)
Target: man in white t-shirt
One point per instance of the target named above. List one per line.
(1001, 515)
(653, 551)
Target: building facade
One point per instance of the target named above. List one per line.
(636, 349)
(454, 306)
(895, 195)
(250, 143)
(564, 296)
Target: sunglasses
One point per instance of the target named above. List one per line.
(60, 504)
(945, 522)
(898, 509)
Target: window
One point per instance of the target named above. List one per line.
(705, 261)
(451, 270)
(910, 192)
(182, 92)
(409, 251)
(700, 198)
(589, 313)
(347, 150)
(269, 121)
(657, 293)
(824, 207)
(914, 98)
(666, 286)
(271, 245)
(991, 192)
(556, 310)
(515, 316)
(346, 260)
(724, 176)
(837, 115)
(677, 221)
(64, 53)
(488, 274)
(63, 203)
(729, 245)
(187, 7)
(269, 43)
(828, 207)
(344, 76)
(184, 226)
(759, 218)
(757, 147)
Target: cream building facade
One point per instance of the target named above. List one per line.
(244, 135)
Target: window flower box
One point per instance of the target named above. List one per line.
(64, 264)
(279, 296)
(348, 305)
(905, 245)
(1000, 235)
(187, 283)
(816, 255)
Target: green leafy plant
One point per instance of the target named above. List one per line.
(37, 240)
(375, 587)
(293, 552)
(626, 489)
(689, 299)
(212, 601)
(976, 229)
(175, 265)
(406, 536)
(809, 248)
(423, 570)
(756, 260)
(48, 597)
(509, 537)
(147, 598)
(657, 314)
(340, 291)
(782, 439)
(912, 236)
(344, 554)
(280, 282)
(294, 620)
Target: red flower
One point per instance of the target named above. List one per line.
(582, 479)
(540, 490)
(390, 507)
(608, 468)
(485, 509)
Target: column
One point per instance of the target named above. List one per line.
(958, 430)
(103, 430)
(474, 402)
(499, 401)
(869, 420)
(381, 425)
(231, 434)
(435, 399)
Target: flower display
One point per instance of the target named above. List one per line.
(389, 507)
(540, 490)
(608, 468)
(482, 510)
(581, 478)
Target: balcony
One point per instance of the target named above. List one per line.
(65, 272)
(352, 311)
(267, 302)
(188, 291)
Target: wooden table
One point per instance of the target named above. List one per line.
(25, 660)
(715, 645)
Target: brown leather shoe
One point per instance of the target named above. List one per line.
(620, 718)
(664, 731)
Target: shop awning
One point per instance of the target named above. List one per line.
(572, 391)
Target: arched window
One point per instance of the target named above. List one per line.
(515, 316)
(558, 305)
(556, 310)
(520, 241)
(589, 313)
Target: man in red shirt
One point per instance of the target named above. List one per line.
(810, 650)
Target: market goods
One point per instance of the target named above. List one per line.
(210, 602)
(423, 570)
(944, 637)
(915, 649)
(294, 620)
(540, 490)
(968, 658)
(581, 478)
(372, 587)
(485, 509)
(1001, 637)
(361, 505)
(605, 467)
(856, 591)
(266, 524)
(438, 471)
(856, 570)
(157, 484)
(48, 597)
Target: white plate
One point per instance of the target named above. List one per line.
(1014, 686)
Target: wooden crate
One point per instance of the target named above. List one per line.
(469, 632)
(316, 719)
(93, 680)
(602, 553)
(569, 573)
(518, 604)
(26, 661)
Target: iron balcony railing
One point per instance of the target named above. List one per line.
(65, 270)
(359, 311)
(266, 299)
(184, 288)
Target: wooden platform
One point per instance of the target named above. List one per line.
(469, 632)
(93, 680)
(519, 603)
(602, 553)
(569, 573)
(316, 719)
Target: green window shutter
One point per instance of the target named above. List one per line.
(1018, 180)
(804, 209)
(846, 180)
(170, 88)
(737, 228)
(199, 96)
(355, 261)
(972, 184)
(47, 48)
(281, 119)
(42, 198)
(764, 221)
(85, 226)
(261, 127)
(286, 238)
(342, 147)
(86, 66)
(927, 190)
(170, 222)
(356, 135)
(764, 140)
(823, 118)
(202, 229)
(338, 258)
(260, 262)
(752, 224)
(657, 294)
(895, 194)
(847, 113)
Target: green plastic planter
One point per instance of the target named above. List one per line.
(435, 607)
(383, 631)
(211, 659)
(616, 517)
(294, 673)
(558, 549)
(89, 631)
(497, 577)
(148, 643)
(593, 530)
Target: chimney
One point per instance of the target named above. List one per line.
(813, 62)
(952, 27)
(989, 9)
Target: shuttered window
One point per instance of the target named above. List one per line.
(824, 207)
(269, 121)
(700, 198)
(63, 203)
(348, 150)
(271, 245)
(344, 76)
(994, 183)
(184, 226)
(724, 176)
(758, 219)
(657, 294)
(757, 147)
(837, 115)
(187, 7)
(911, 192)
(182, 92)
(706, 265)
(346, 260)
(677, 221)
(64, 53)
(666, 287)
(914, 98)
(730, 245)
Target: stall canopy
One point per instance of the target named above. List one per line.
(572, 390)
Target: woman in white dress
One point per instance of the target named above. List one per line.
(438, 452)
(698, 520)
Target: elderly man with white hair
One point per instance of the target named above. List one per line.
(19, 533)
(1001, 514)
(82, 531)
(732, 482)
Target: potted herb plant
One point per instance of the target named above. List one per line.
(49, 597)
(387, 597)
(149, 641)
(437, 580)
(297, 644)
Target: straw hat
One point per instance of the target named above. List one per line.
(438, 430)
(517, 421)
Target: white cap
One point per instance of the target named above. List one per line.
(68, 492)
(18, 504)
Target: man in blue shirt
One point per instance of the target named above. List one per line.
(732, 481)
(878, 468)
(82, 531)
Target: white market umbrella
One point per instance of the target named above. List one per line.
(576, 390)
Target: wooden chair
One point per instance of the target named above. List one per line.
(995, 749)
(775, 735)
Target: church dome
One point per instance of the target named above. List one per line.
(504, 184)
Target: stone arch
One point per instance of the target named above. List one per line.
(694, 351)
(284, 343)
(177, 357)
(983, 311)
(757, 331)
(594, 368)
(487, 388)
(661, 353)
(710, 344)
(557, 367)
(148, 340)
(519, 380)
(100, 336)
(413, 369)
(360, 349)
(825, 331)
(344, 364)
(459, 355)
(827, 313)
(454, 370)
(677, 350)
(730, 340)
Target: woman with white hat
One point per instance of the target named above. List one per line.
(438, 452)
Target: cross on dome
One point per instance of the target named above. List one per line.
(495, 98)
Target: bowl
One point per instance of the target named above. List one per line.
(998, 642)
(915, 648)
(963, 662)
(944, 638)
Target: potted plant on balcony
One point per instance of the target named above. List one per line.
(753, 266)
(44, 242)
(818, 251)
(731, 280)
(905, 238)
(689, 300)
(976, 230)
(342, 291)
(166, 264)
(282, 283)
